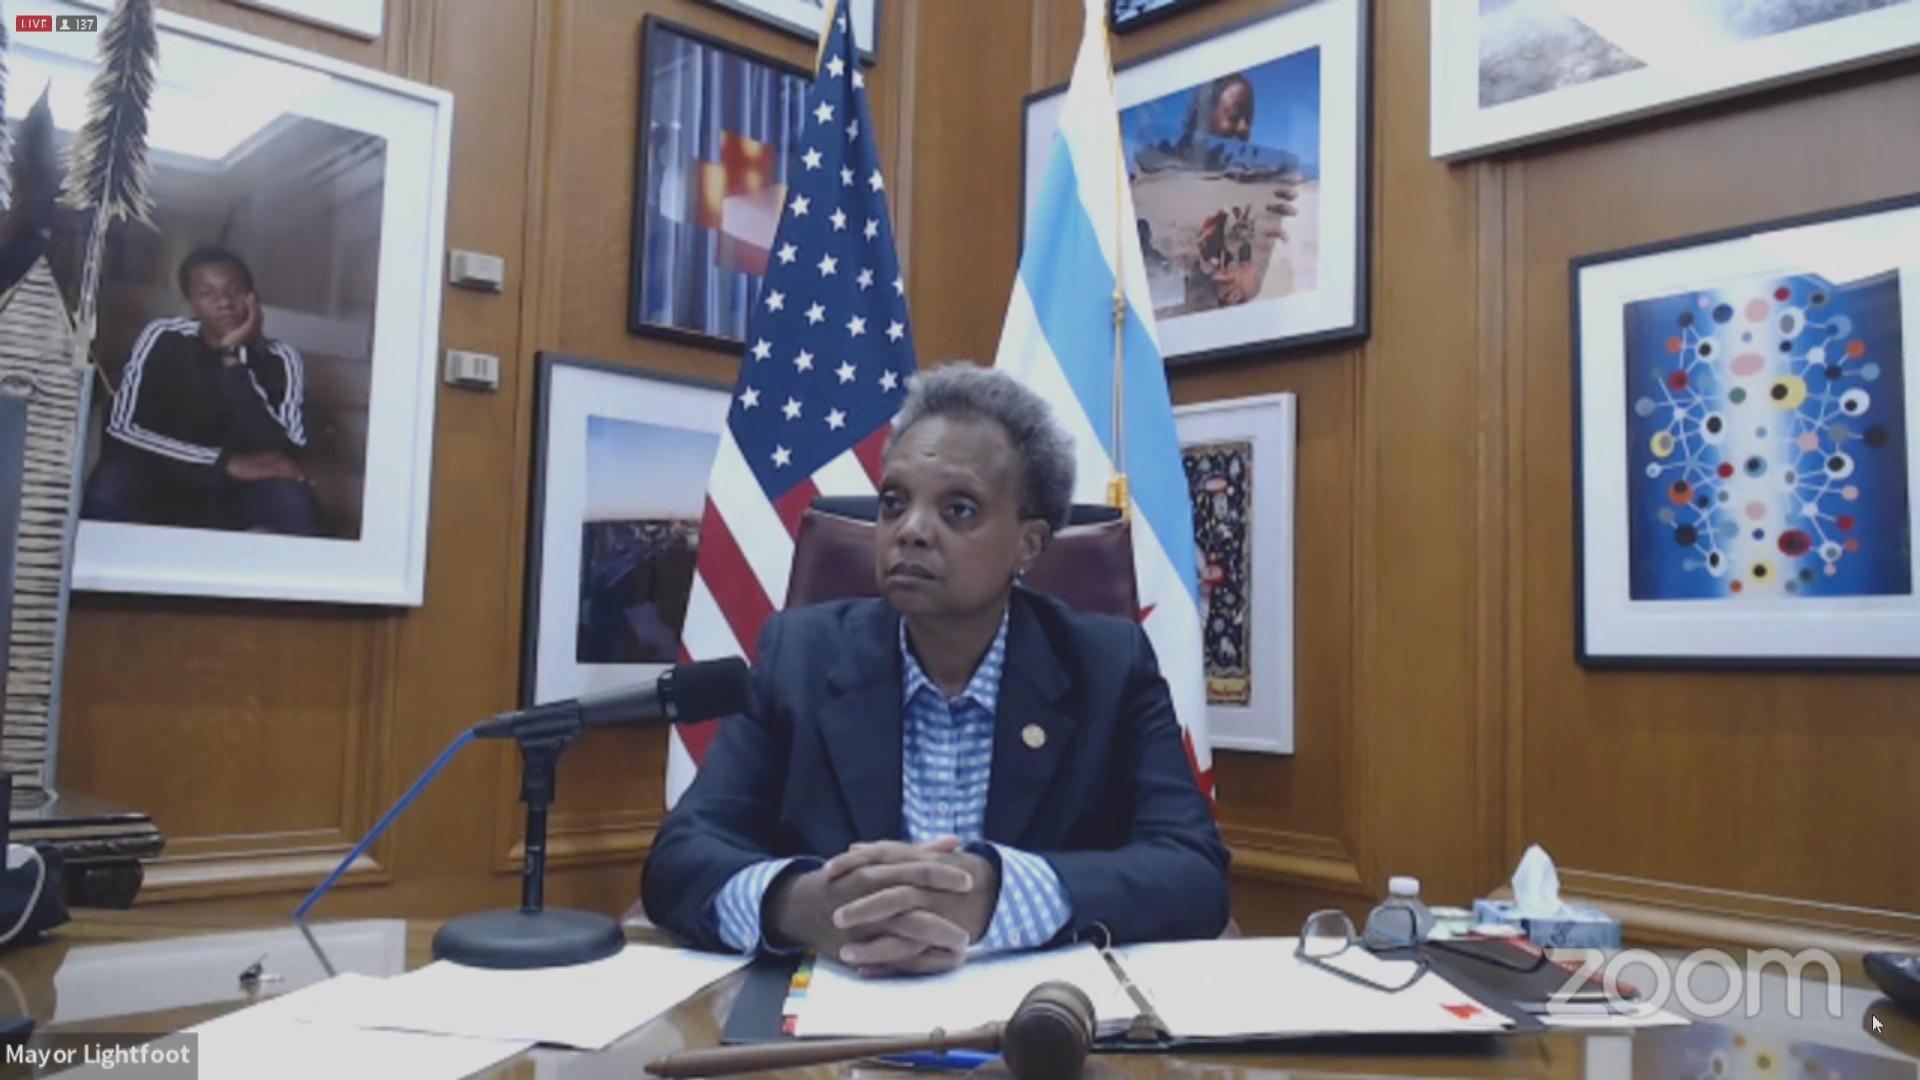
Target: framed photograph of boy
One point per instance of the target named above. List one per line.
(263, 410)
(716, 123)
(620, 470)
(1246, 157)
(1745, 454)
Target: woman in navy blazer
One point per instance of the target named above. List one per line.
(843, 813)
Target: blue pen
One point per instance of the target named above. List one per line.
(954, 1060)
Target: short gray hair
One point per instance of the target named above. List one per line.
(964, 391)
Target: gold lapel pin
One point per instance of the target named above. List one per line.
(1034, 736)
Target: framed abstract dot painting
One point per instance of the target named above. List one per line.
(1745, 451)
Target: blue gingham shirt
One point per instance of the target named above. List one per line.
(946, 751)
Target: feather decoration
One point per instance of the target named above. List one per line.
(107, 163)
(6, 133)
(25, 227)
(36, 339)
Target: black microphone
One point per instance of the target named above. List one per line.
(690, 692)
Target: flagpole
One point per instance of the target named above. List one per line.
(1117, 492)
(826, 34)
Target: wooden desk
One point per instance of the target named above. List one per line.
(150, 971)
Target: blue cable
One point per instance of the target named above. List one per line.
(380, 826)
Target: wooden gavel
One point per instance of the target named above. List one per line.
(1047, 1038)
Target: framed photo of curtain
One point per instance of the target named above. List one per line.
(1126, 16)
(1246, 155)
(803, 18)
(314, 192)
(1510, 72)
(361, 18)
(1745, 456)
(716, 123)
(620, 470)
(1239, 459)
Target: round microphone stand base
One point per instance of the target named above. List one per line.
(555, 937)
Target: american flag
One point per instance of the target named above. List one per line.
(827, 358)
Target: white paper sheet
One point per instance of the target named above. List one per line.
(586, 1006)
(298, 1036)
(839, 1002)
(1256, 986)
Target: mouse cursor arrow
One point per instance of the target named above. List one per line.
(1874, 1021)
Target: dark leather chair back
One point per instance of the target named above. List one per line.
(1089, 564)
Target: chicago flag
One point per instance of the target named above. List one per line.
(1058, 339)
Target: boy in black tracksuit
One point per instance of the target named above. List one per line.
(208, 424)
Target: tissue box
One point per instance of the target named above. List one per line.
(1578, 927)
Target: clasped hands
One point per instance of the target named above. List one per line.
(889, 907)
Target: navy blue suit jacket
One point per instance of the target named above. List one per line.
(1109, 799)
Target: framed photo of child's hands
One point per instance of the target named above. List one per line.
(1246, 155)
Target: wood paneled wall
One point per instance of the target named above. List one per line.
(1771, 795)
(1442, 722)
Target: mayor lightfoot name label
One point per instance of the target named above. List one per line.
(175, 1056)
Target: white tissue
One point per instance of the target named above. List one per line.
(1536, 885)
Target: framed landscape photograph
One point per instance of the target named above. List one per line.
(1246, 158)
(621, 462)
(1744, 445)
(263, 411)
(1239, 459)
(716, 123)
(1509, 72)
(803, 18)
(1126, 16)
